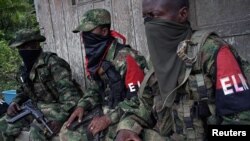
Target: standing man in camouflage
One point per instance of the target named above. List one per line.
(46, 80)
(115, 72)
(198, 79)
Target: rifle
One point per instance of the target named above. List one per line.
(27, 109)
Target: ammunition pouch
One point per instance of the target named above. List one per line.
(201, 110)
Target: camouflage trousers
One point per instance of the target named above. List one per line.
(152, 135)
(82, 134)
(37, 130)
(11, 131)
(242, 118)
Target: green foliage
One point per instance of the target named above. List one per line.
(9, 60)
(15, 15)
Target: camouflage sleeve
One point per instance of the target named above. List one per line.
(245, 65)
(68, 94)
(91, 96)
(121, 65)
(138, 118)
(120, 60)
(208, 54)
(211, 48)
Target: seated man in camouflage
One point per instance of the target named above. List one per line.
(115, 72)
(46, 80)
(198, 79)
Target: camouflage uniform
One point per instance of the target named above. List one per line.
(95, 95)
(171, 123)
(51, 87)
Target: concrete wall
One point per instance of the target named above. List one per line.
(229, 18)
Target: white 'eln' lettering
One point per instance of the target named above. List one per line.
(131, 87)
(243, 81)
(226, 86)
(237, 88)
(226, 83)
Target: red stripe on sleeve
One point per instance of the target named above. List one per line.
(134, 73)
(228, 69)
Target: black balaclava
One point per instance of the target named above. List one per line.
(29, 57)
(163, 37)
(95, 47)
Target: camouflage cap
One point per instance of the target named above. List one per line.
(26, 35)
(93, 18)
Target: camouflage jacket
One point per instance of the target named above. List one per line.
(50, 86)
(93, 95)
(151, 115)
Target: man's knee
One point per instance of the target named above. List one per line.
(80, 134)
(152, 135)
(10, 129)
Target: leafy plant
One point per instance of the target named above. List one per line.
(9, 60)
(15, 15)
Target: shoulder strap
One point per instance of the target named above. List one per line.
(188, 50)
(145, 80)
(198, 39)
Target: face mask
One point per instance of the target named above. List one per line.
(163, 38)
(29, 57)
(95, 48)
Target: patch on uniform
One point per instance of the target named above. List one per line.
(134, 75)
(232, 88)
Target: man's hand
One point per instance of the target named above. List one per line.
(78, 113)
(55, 126)
(126, 135)
(98, 124)
(13, 109)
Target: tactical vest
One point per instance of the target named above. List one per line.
(192, 104)
(111, 82)
(194, 100)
